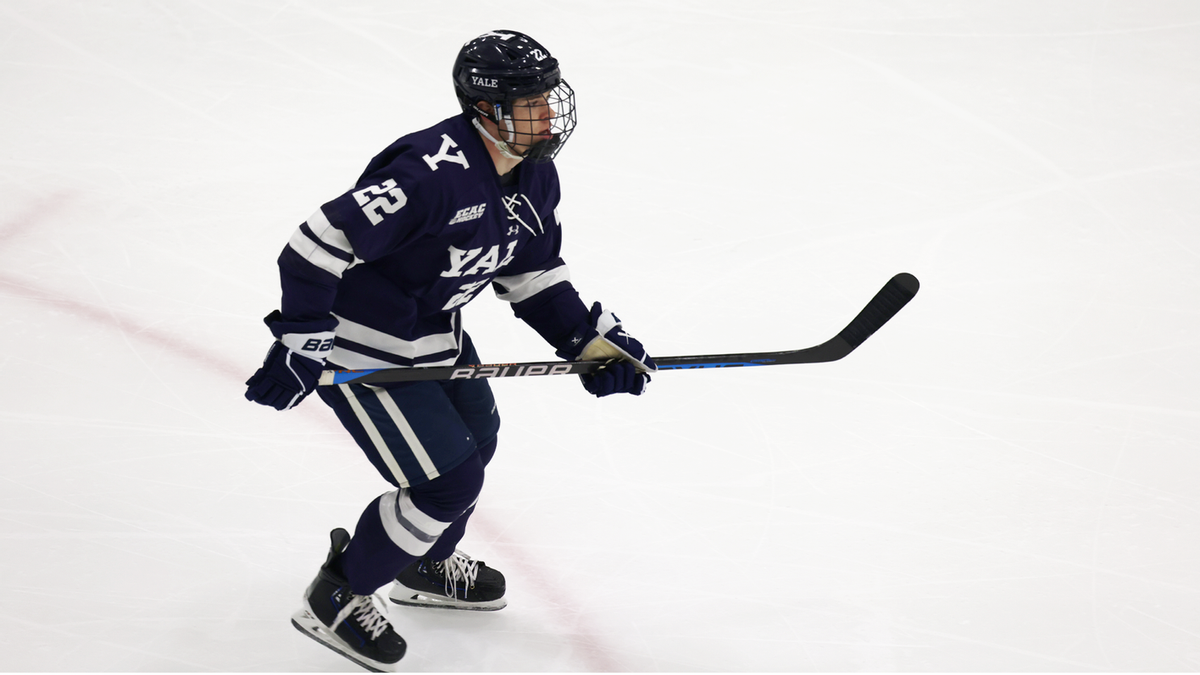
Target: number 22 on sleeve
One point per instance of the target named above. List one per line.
(372, 207)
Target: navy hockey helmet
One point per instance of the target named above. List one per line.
(502, 67)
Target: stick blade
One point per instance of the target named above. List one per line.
(890, 299)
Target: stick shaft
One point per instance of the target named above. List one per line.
(887, 302)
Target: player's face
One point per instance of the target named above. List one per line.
(531, 119)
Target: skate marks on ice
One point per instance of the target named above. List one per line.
(1020, 495)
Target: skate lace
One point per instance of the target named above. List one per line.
(459, 566)
(368, 616)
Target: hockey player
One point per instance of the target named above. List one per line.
(376, 278)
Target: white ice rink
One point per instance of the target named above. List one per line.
(1003, 478)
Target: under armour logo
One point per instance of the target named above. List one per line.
(443, 155)
(513, 230)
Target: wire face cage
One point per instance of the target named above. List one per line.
(522, 124)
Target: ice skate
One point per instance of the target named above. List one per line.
(459, 582)
(349, 624)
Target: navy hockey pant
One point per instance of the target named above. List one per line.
(431, 440)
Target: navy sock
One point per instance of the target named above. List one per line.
(372, 559)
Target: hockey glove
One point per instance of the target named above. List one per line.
(629, 366)
(616, 377)
(293, 363)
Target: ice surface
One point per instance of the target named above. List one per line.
(1003, 478)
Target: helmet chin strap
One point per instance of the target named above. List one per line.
(501, 146)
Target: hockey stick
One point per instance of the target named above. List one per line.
(890, 299)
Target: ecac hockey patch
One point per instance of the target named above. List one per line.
(469, 213)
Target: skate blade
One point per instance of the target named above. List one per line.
(310, 625)
(411, 598)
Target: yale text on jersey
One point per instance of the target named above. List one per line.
(476, 261)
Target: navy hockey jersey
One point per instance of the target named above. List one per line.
(425, 229)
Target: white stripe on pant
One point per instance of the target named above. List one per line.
(406, 431)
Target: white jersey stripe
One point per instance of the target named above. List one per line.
(525, 286)
(351, 360)
(326, 232)
(405, 349)
(373, 433)
(313, 253)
